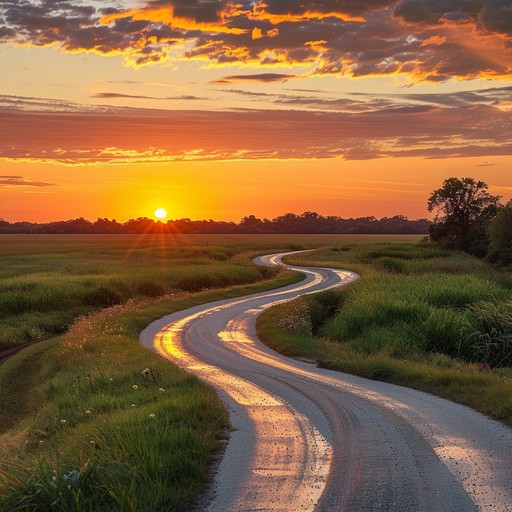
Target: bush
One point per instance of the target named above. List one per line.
(500, 233)
(103, 296)
(391, 265)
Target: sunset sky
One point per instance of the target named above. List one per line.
(218, 109)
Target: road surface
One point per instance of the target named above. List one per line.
(309, 439)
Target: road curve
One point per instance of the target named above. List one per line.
(306, 438)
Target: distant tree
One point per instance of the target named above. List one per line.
(250, 224)
(308, 222)
(500, 234)
(463, 209)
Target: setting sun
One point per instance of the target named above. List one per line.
(160, 213)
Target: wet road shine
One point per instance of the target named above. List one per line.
(308, 439)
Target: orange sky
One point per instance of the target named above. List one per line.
(219, 110)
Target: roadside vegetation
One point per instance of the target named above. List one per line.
(91, 420)
(421, 316)
(103, 425)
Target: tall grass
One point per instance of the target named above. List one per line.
(42, 292)
(422, 299)
(47, 281)
(420, 316)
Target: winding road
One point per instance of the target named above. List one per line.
(306, 438)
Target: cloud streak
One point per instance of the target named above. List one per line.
(425, 40)
(19, 181)
(260, 77)
(116, 135)
(119, 95)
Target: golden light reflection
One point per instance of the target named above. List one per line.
(301, 449)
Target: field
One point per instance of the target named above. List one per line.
(420, 316)
(48, 280)
(91, 420)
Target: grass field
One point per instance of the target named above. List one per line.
(90, 420)
(420, 316)
(48, 280)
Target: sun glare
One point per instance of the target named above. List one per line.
(160, 213)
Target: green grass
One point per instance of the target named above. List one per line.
(47, 281)
(420, 317)
(97, 422)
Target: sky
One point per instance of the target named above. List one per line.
(221, 109)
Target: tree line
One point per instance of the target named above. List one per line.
(289, 223)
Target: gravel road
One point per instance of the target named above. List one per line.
(309, 439)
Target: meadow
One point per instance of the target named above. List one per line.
(90, 420)
(48, 280)
(420, 316)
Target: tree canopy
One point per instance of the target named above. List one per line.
(463, 209)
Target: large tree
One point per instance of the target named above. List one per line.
(463, 209)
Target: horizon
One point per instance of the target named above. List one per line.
(210, 109)
(166, 220)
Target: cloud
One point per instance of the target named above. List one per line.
(19, 181)
(496, 16)
(425, 40)
(432, 12)
(261, 77)
(362, 102)
(114, 95)
(386, 129)
(436, 40)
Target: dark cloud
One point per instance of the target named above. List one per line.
(149, 135)
(496, 16)
(260, 77)
(430, 40)
(19, 181)
(432, 12)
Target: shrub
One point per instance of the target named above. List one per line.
(391, 265)
(103, 296)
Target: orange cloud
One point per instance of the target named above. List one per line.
(435, 40)
(260, 13)
(165, 15)
(257, 33)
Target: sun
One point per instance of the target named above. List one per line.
(160, 213)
